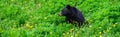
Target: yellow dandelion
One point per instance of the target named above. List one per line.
(67, 32)
(71, 35)
(94, 36)
(64, 36)
(76, 34)
(100, 36)
(19, 28)
(32, 0)
(63, 33)
(107, 30)
(114, 25)
(28, 26)
(100, 27)
(90, 26)
(104, 31)
(50, 32)
(12, 0)
(100, 32)
(45, 17)
(71, 29)
(39, 5)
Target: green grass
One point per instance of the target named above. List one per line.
(39, 18)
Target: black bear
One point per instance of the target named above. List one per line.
(72, 14)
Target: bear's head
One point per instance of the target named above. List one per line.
(65, 11)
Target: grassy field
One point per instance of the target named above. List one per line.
(39, 18)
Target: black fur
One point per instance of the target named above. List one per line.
(72, 14)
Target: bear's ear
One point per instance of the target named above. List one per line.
(68, 6)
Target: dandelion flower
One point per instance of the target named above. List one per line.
(100, 36)
(94, 36)
(114, 25)
(63, 33)
(45, 17)
(108, 30)
(100, 32)
(100, 27)
(50, 32)
(72, 36)
(12, 0)
(90, 26)
(71, 29)
(39, 5)
(18, 28)
(67, 32)
(28, 26)
(76, 34)
(104, 31)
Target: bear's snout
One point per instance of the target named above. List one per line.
(60, 14)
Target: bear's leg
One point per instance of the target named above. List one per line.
(79, 23)
(68, 20)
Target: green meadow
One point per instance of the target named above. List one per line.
(39, 18)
